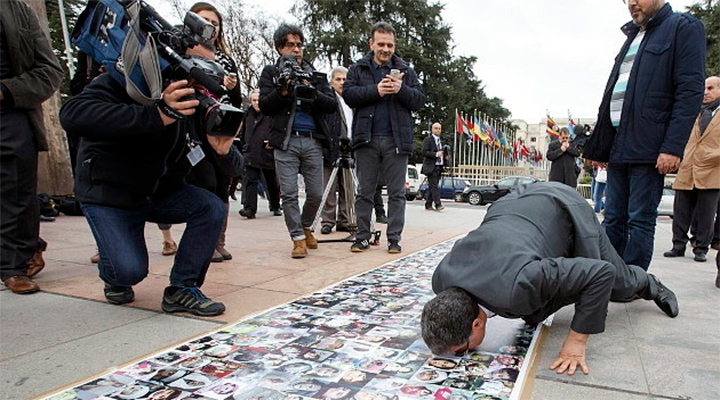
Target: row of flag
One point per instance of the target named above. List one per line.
(553, 130)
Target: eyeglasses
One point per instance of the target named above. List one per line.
(291, 45)
(463, 353)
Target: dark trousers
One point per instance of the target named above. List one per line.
(716, 233)
(433, 187)
(254, 175)
(120, 236)
(700, 203)
(19, 209)
(378, 204)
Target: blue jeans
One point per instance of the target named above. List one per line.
(598, 193)
(120, 236)
(632, 196)
(379, 158)
(303, 155)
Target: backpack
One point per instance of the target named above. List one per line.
(110, 32)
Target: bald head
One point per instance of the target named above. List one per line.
(436, 129)
(712, 89)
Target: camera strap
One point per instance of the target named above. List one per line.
(167, 110)
(147, 56)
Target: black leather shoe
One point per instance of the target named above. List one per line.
(700, 257)
(277, 213)
(326, 229)
(674, 253)
(665, 298)
(381, 219)
(717, 280)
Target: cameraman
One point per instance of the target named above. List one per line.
(563, 154)
(298, 131)
(125, 148)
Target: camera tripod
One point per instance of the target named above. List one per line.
(349, 184)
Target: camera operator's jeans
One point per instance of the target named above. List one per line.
(379, 158)
(120, 236)
(632, 196)
(303, 154)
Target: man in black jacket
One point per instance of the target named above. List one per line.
(433, 164)
(259, 160)
(29, 74)
(539, 249)
(297, 98)
(384, 90)
(563, 154)
(125, 150)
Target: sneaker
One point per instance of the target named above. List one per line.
(394, 248)
(119, 294)
(359, 246)
(190, 299)
(277, 213)
(439, 208)
(326, 229)
(169, 248)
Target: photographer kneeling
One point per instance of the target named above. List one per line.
(124, 151)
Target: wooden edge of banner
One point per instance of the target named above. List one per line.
(532, 361)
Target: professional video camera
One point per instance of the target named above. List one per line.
(295, 79)
(582, 133)
(120, 35)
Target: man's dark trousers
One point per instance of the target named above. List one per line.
(702, 204)
(380, 158)
(251, 191)
(120, 236)
(19, 209)
(433, 189)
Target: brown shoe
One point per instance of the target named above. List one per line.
(224, 253)
(310, 240)
(96, 258)
(169, 248)
(217, 257)
(21, 284)
(36, 264)
(299, 249)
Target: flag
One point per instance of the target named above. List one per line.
(462, 128)
(477, 131)
(571, 125)
(553, 130)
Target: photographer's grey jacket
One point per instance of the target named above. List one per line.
(360, 93)
(282, 108)
(35, 71)
(664, 92)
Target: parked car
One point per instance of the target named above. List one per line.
(666, 203)
(481, 195)
(412, 182)
(448, 187)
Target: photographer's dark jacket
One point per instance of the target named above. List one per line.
(253, 134)
(281, 108)
(124, 149)
(360, 93)
(664, 93)
(563, 168)
(337, 128)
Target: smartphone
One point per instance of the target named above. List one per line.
(395, 73)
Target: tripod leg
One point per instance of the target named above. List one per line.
(325, 195)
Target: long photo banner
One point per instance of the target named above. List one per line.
(358, 339)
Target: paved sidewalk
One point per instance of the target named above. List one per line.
(68, 332)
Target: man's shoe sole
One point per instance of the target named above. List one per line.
(170, 308)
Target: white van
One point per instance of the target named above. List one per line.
(412, 182)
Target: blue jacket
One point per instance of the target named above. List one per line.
(664, 92)
(360, 93)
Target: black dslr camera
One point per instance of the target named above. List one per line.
(293, 78)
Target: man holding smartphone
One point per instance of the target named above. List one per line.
(385, 91)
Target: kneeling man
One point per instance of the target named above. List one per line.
(539, 249)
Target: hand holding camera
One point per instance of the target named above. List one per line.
(175, 102)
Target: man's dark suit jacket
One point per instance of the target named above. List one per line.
(429, 152)
(539, 249)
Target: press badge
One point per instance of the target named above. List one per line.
(195, 155)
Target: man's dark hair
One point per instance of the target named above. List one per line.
(281, 33)
(447, 320)
(382, 27)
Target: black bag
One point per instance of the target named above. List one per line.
(68, 205)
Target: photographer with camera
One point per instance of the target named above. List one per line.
(563, 153)
(124, 151)
(297, 98)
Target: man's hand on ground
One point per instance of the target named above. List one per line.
(572, 354)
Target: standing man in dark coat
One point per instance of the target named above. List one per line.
(259, 160)
(538, 250)
(384, 90)
(650, 103)
(433, 165)
(29, 75)
(563, 155)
